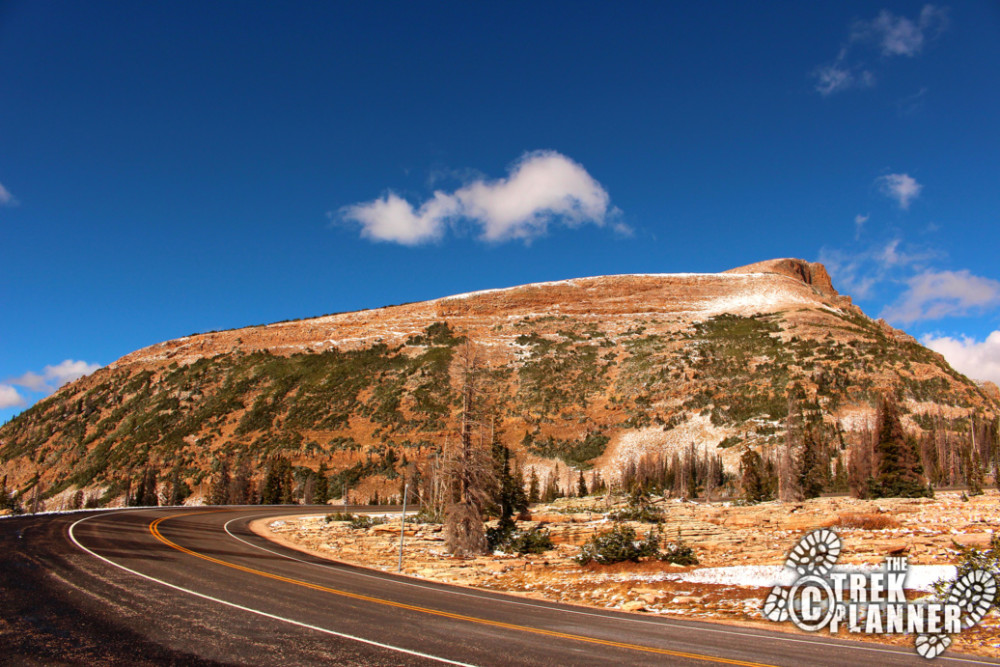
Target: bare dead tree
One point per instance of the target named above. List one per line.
(790, 462)
(36, 497)
(468, 465)
(861, 463)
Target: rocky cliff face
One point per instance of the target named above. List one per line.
(811, 273)
(588, 372)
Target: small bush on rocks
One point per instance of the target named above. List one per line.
(640, 508)
(507, 539)
(866, 521)
(362, 522)
(969, 559)
(618, 543)
(678, 553)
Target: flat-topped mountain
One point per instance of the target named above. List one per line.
(591, 373)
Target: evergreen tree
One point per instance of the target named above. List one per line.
(534, 489)
(179, 490)
(8, 499)
(322, 493)
(581, 486)
(974, 476)
(218, 494)
(129, 498)
(693, 479)
(597, 483)
(753, 482)
(840, 476)
(134, 498)
(149, 496)
(287, 486)
(520, 497)
(813, 470)
(770, 478)
(416, 486)
(241, 489)
(551, 491)
(271, 493)
(899, 473)
(508, 494)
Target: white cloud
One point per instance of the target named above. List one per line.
(851, 273)
(891, 256)
(931, 295)
(889, 35)
(911, 104)
(9, 398)
(859, 272)
(901, 187)
(833, 78)
(898, 35)
(392, 218)
(979, 360)
(543, 187)
(53, 377)
(6, 198)
(838, 76)
(859, 224)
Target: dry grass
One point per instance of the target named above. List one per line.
(865, 521)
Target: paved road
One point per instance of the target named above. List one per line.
(196, 587)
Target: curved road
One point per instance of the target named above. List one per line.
(196, 587)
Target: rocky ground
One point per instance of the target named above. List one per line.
(742, 540)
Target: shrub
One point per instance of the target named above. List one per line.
(617, 544)
(428, 515)
(361, 522)
(507, 539)
(498, 537)
(357, 521)
(533, 541)
(640, 508)
(970, 558)
(866, 521)
(678, 553)
(645, 514)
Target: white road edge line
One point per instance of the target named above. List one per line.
(72, 536)
(665, 622)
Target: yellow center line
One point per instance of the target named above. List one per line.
(155, 530)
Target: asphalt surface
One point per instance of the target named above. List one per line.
(196, 587)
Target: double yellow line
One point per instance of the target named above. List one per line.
(154, 528)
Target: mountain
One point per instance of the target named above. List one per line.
(587, 372)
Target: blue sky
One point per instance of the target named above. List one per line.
(170, 168)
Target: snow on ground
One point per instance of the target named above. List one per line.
(629, 446)
(756, 299)
(466, 295)
(855, 419)
(919, 577)
(573, 281)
